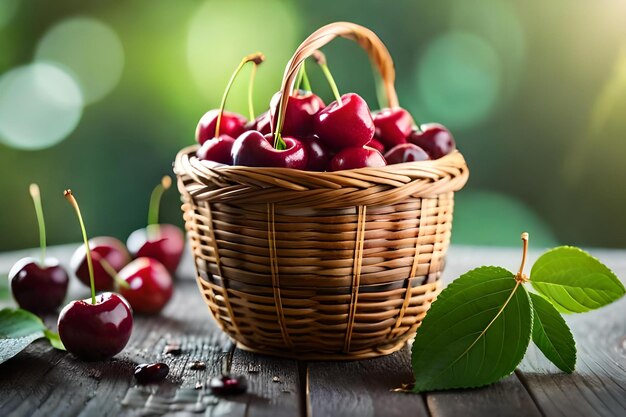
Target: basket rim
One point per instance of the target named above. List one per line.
(454, 158)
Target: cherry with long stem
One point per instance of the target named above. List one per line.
(257, 58)
(70, 198)
(36, 196)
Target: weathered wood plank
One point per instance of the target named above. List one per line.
(598, 386)
(505, 398)
(363, 388)
(42, 381)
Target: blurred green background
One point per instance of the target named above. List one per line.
(99, 97)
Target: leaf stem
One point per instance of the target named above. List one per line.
(70, 197)
(36, 196)
(521, 277)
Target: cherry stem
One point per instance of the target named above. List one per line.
(36, 196)
(257, 58)
(520, 274)
(306, 84)
(70, 197)
(320, 58)
(251, 91)
(108, 268)
(155, 199)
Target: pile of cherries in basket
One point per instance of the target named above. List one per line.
(342, 135)
(99, 327)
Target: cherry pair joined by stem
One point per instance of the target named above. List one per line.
(218, 128)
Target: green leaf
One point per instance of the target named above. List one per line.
(574, 281)
(551, 334)
(475, 333)
(54, 339)
(18, 329)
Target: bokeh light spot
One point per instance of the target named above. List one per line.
(40, 105)
(91, 50)
(498, 23)
(8, 8)
(221, 34)
(483, 217)
(458, 79)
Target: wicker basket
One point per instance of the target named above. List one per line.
(320, 265)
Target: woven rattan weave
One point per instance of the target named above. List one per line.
(320, 265)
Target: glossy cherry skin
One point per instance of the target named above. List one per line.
(263, 123)
(405, 152)
(217, 150)
(318, 154)
(376, 144)
(351, 158)
(150, 284)
(392, 126)
(163, 242)
(150, 373)
(38, 288)
(300, 114)
(254, 150)
(95, 332)
(232, 124)
(345, 126)
(108, 248)
(434, 139)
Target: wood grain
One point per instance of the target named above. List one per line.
(41, 381)
(363, 388)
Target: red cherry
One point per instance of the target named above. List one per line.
(104, 248)
(348, 125)
(163, 242)
(375, 143)
(301, 111)
(434, 139)
(150, 285)
(254, 150)
(38, 288)
(97, 331)
(263, 123)
(405, 152)
(232, 124)
(217, 150)
(351, 158)
(393, 126)
(318, 154)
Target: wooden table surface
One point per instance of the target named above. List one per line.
(41, 381)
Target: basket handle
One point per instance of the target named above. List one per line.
(377, 51)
